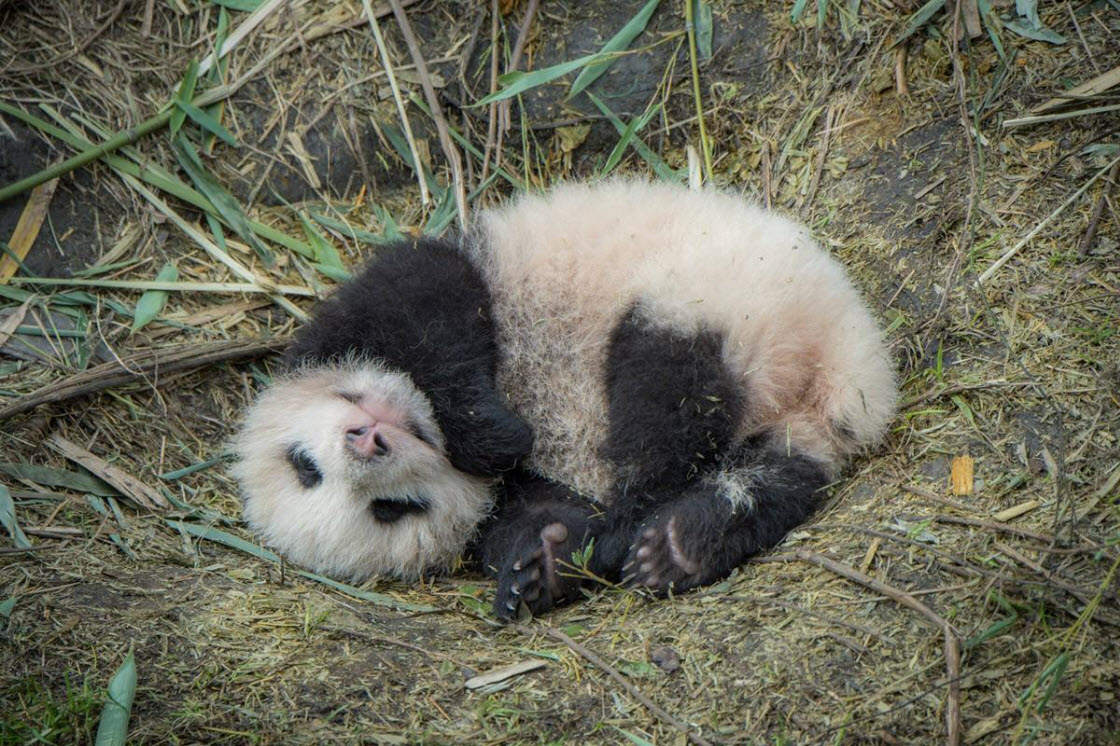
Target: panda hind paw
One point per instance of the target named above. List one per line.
(531, 574)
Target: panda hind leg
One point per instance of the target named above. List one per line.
(745, 507)
(528, 545)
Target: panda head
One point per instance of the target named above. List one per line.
(343, 469)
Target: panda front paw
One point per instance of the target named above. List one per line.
(532, 574)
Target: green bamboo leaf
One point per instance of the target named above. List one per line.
(224, 202)
(636, 125)
(8, 519)
(337, 274)
(246, 6)
(1029, 9)
(216, 75)
(185, 93)
(798, 10)
(222, 537)
(920, 18)
(653, 159)
(7, 607)
(113, 728)
(518, 82)
(70, 480)
(325, 254)
(822, 12)
(992, 24)
(1038, 34)
(704, 28)
(617, 43)
(206, 122)
(152, 301)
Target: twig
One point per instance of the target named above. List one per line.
(1091, 233)
(900, 70)
(690, 26)
(632, 690)
(1045, 222)
(425, 197)
(937, 499)
(951, 643)
(937, 393)
(449, 149)
(492, 127)
(146, 24)
(238, 34)
(830, 118)
(137, 366)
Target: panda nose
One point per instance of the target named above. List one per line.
(367, 441)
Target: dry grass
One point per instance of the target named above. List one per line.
(841, 636)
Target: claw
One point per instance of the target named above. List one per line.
(515, 589)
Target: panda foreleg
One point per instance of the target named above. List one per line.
(744, 507)
(529, 543)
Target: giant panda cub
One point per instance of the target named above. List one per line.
(670, 376)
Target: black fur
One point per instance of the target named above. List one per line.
(307, 471)
(423, 308)
(519, 548)
(672, 407)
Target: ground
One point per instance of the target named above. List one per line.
(894, 148)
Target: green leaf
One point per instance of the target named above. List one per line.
(184, 94)
(1029, 9)
(113, 728)
(224, 202)
(822, 12)
(234, 542)
(151, 302)
(217, 73)
(992, 24)
(6, 607)
(798, 10)
(617, 43)
(338, 274)
(171, 476)
(70, 480)
(920, 18)
(325, 254)
(243, 5)
(1038, 34)
(346, 229)
(206, 122)
(650, 157)
(703, 18)
(636, 125)
(518, 82)
(8, 519)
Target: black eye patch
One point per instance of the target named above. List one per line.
(391, 510)
(307, 471)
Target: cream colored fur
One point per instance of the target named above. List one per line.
(564, 267)
(329, 527)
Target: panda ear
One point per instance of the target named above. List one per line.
(303, 463)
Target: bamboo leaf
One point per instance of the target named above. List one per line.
(242, 5)
(822, 12)
(325, 254)
(224, 202)
(152, 301)
(1038, 34)
(70, 480)
(222, 537)
(206, 122)
(7, 607)
(704, 28)
(798, 10)
(184, 94)
(920, 18)
(8, 519)
(113, 728)
(617, 43)
(216, 74)
(518, 82)
(650, 157)
(636, 125)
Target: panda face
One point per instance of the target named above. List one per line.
(343, 469)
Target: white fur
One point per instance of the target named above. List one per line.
(564, 267)
(329, 527)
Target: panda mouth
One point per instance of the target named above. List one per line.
(392, 509)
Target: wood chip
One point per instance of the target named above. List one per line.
(129, 486)
(501, 674)
(961, 476)
(1006, 515)
(1092, 87)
